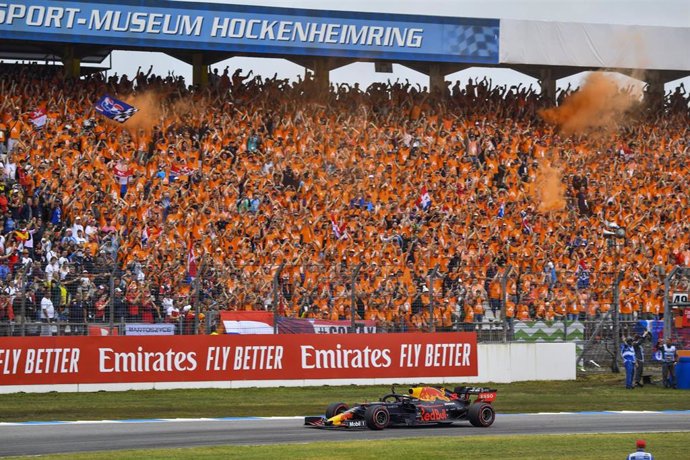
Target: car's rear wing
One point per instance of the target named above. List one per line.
(484, 394)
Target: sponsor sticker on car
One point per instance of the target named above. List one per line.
(356, 423)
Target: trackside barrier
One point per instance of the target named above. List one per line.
(234, 361)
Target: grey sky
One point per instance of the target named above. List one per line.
(670, 13)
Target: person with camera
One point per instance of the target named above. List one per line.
(638, 346)
(628, 355)
(669, 356)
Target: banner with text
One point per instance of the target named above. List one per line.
(81, 360)
(321, 326)
(248, 29)
(149, 329)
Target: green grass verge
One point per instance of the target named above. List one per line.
(671, 446)
(592, 392)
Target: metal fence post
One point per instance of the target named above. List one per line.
(111, 320)
(504, 300)
(353, 295)
(276, 296)
(616, 320)
(197, 291)
(565, 328)
(113, 272)
(668, 313)
(432, 278)
(23, 306)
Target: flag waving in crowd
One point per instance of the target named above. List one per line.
(424, 201)
(145, 236)
(115, 109)
(339, 230)
(38, 118)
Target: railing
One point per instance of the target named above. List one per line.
(449, 296)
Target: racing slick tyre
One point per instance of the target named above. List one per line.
(334, 409)
(481, 414)
(377, 417)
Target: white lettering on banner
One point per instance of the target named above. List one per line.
(217, 358)
(144, 361)
(409, 354)
(52, 361)
(447, 355)
(252, 23)
(314, 32)
(326, 329)
(258, 357)
(127, 19)
(344, 358)
(38, 16)
(9, 361)
(141, 22)
(268, 31)
(149, 329)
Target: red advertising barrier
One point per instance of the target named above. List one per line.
(80, 360)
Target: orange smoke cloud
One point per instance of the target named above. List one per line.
(188, 107)
(549, 191)
(598, 106)
(149, 114)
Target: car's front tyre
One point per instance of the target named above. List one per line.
(377, 417)
(334, 409)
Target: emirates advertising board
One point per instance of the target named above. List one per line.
(83, 360)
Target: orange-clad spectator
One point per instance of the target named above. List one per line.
(593, 308)
(479, 309)
(626, 309)
(510, 312)
(540, 310)
(253, 170)
(523, 312)
(495, 296)
(468, 316)
(573, 310)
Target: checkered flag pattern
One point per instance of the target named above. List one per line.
(114, 109)
(126, 115)
(474, 41)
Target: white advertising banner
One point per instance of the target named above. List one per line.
(149, 329)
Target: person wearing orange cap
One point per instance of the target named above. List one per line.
(640, 453)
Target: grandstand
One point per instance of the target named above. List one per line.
(462, 208)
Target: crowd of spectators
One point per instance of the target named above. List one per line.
(204, 193)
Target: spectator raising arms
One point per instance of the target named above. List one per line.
(432, 196)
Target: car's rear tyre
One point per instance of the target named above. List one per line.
(334, 409)
(481, 414)
(377, 417)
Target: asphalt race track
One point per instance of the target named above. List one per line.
(64, 437)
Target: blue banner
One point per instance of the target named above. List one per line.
(250, 30)
(114, 109)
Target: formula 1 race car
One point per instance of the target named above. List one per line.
(423, 405)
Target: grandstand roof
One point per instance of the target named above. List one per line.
(525, 45)
(594, 45)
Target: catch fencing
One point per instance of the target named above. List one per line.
(501, 303)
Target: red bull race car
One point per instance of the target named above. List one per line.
(422, 405)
